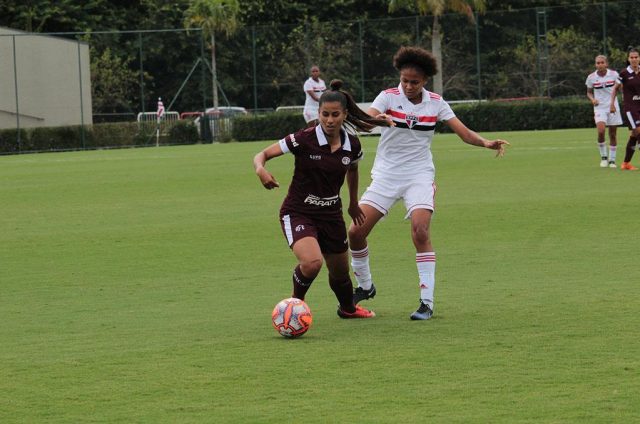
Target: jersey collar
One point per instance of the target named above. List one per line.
(322, 139)
(630, 69)
(425, 94)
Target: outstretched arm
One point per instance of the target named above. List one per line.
(475, 139)
(266, 178)
(379, 115)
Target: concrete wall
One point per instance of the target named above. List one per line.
(49, 80)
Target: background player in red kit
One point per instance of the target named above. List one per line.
(630, 80)
(311, 214)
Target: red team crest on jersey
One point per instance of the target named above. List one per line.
(411, 120)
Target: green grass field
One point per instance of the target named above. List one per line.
(136, 286)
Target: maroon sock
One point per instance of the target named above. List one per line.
(301, 283)
(628, 154)
(344, 292)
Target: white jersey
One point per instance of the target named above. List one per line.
(405, 150)
(318, 87)
(603, 87)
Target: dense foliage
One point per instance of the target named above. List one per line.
(264, 62)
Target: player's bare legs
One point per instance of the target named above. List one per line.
(613, 145)
(425, 261)
(340, 282)
(309, 257)
(631, 147)
(360, 252)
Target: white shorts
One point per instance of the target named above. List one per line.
(609, 119)
(418, 193)
(310, 114)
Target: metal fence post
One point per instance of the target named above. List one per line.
(141, 73)
(253, 62)
(15, 84)
(81, 99)
(203, 78)
(479, 73)
(362, 95)
(604, 28)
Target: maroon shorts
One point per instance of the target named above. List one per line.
(331, 234)
(632, 117)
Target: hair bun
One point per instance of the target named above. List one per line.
(335, 84)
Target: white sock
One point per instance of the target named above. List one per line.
(360, 265)
(612, 153)
(603, 150)
(426, 263)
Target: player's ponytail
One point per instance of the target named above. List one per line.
(357, 119)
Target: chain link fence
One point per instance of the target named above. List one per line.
(91, 78)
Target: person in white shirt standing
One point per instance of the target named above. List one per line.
(403, 169)
(601, 88)
(313, 89)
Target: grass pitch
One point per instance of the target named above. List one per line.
(137, 285)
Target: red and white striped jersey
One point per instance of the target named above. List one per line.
(602, 87)
(406, 148)
(318, 87)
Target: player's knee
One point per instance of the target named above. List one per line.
(311, 267)
(420, 234)
(356, 233)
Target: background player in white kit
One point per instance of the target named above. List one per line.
(313, 89)
(601, 89)
(403, 169)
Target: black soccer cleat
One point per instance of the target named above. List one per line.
(362, 294)
(423, 312)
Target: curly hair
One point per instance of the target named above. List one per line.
(415, 57)
(357, 119)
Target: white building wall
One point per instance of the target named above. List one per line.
(49, 80)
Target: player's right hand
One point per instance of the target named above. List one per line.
(268, 181)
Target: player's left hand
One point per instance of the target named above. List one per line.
(498, 145)
(386, 118)
(356, 214)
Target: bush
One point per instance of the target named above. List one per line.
(183, 132)
(272, 126)
(57, 138)
(524, 115)
(9, 140)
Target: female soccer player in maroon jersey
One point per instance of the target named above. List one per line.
(311, 214)
(630, 80)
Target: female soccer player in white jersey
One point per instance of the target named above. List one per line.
(601, 89)
(313, 88)
(403, 169)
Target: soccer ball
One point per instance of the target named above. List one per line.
(291, 317)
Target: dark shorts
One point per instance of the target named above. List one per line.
(632, 117)
(331, 234)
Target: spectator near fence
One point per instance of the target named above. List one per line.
(313, 89)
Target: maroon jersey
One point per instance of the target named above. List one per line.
(318, 174)
(630, 89)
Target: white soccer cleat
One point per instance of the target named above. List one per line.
(603, 163)
(612, 165)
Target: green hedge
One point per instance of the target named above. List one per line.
(525, 115)
(484, 116)
(272, 126)
(121, 134)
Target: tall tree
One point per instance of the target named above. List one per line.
(214, 16)
(437, 8)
